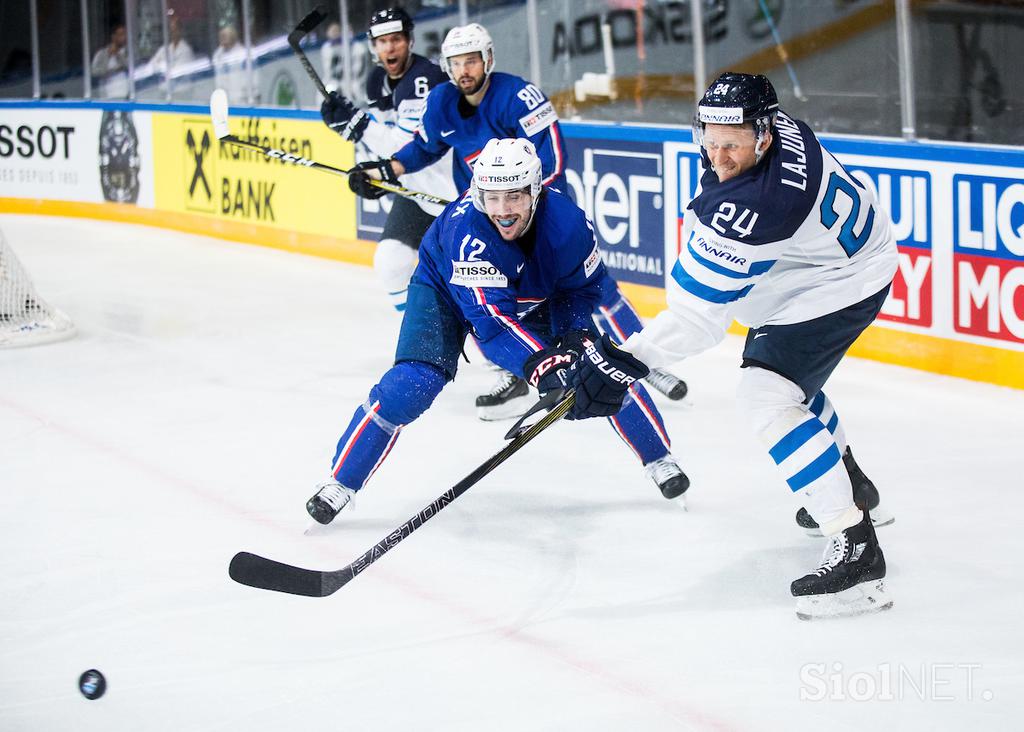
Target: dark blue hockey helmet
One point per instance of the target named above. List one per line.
(390, 20)
(735, 99)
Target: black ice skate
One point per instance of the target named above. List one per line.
(849, 580)
(328, 501)
(509, 398)
(668, 384)
(670, 478)
(865, 495)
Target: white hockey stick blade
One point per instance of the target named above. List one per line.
(219, 113)
(867, 597)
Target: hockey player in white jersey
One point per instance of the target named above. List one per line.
(784, 240)
(397, 88)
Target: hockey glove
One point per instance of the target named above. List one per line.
(359, 178)
(546, 370)
(601, 378)
(343, 117)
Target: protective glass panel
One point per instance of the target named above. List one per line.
(967, 60)
(15, 51)
(171, 67)
(108, 50)
(815, 55)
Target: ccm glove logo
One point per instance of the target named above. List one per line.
(617, 375)
(555, 361)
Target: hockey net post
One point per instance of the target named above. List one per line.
(25, 318)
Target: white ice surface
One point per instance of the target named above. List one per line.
(200, 403)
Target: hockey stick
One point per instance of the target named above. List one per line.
(311, 21)
(781, 50)
(219, 117)
(266, 574)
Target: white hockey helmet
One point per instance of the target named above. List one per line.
(508, 164)
(468, 39)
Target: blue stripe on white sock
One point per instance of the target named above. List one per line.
(797, 438)
(817, 468)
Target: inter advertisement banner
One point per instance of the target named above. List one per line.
(620, 185)
(70, 154)
(196, 173)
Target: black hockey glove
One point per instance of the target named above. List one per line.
(343, 117)
(546, 370)
(359, 181)
(601, 378)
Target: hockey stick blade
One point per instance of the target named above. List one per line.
(266, 574)
(219, 113)
(316, 16)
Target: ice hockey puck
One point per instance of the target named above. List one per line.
(92, 684)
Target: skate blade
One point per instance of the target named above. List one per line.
(867, 597)
(512, 409)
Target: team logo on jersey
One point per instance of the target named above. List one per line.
(539, 119)
(477, 274)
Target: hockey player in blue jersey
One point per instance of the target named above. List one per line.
(481, 104)
(517, 265)
(783, 239)
(397, 87)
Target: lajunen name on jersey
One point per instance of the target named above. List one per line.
(477, 274)
(793, 143)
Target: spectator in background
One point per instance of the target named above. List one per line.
(229, 68)
(330, 57)
(110, 65)
(178, 52)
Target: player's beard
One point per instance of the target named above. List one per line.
(468, 92)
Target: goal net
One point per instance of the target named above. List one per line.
(25, 318)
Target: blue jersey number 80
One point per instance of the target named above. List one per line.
(848, 240)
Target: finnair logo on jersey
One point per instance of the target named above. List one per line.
(720, 253)
(720, 115)
(477, 274)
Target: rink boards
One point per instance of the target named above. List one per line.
(957, 305)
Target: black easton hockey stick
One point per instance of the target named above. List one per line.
(266, 574)
(311, 21)
(219, 117)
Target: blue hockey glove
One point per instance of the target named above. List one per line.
(359, 180)
(343, 117)
(601, 378)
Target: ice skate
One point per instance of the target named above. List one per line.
(668, 384)
(509, 398)
(328, 501)
(669, 477)
(849, 580)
